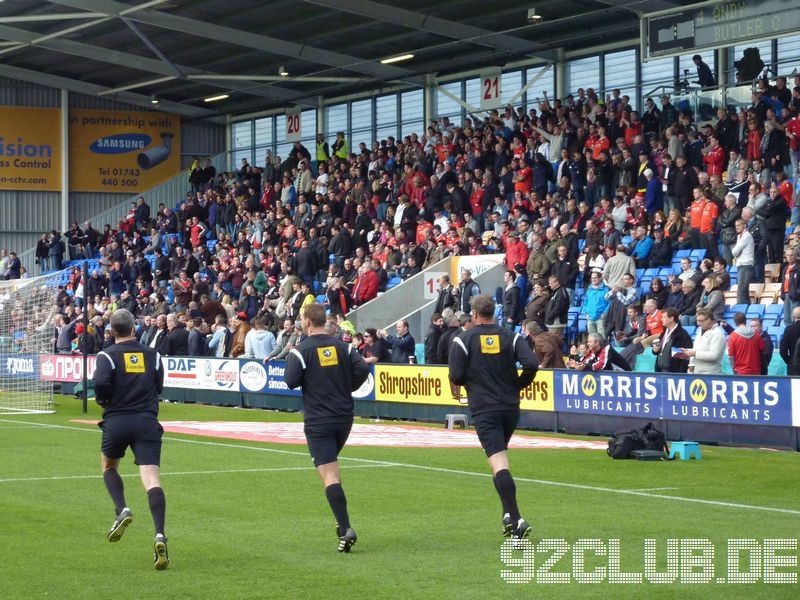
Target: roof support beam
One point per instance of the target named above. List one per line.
(246, 39)
(141, 63)
(431, 24)
(82, 87)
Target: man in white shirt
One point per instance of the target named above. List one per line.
(709, 345)
(744, 254)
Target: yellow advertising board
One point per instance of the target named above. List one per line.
(122, 151)
(477, 264)
(30, 148)
(426, 384)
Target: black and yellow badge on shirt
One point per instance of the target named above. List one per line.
(327, 356)
(490, 344)
(134, 362)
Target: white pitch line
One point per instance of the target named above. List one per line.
(575, 486)
(223, 471)
(652, 489)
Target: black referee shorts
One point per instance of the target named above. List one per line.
(142, 432)
(326, 440)
(495, 429)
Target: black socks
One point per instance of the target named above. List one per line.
(158, 507)
(115, 488)
(338, 502)
(507, 490)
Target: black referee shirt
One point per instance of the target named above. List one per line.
(329, 371)
(484, 359)
(128, 379)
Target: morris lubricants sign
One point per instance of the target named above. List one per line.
(122, 151)
(30, 149)
(735, 400)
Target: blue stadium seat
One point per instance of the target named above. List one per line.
(665, 272)
(690, 329)
(651, 273)
(774, 309)
(639, 273)
(681, 253)
(581, 244)
(755, 310)
(393, 282)
(739, 308)
(321, 299)
(698, 255)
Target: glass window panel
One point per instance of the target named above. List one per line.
(335, 119)
(620, 73)
(545, 82)
(512, 82)
(361, 121)
(446, 106)
(308, 128)
(788, 54)
(660, 71)
(473, 95)
(583, 73)
(264, 129)
(386, 116)
(243, 134)
(412, 112)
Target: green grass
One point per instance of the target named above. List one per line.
(422, 533)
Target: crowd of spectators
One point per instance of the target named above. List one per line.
(578, 193)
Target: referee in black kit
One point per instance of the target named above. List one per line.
(484, 359)
(127, 381)
(329, 371)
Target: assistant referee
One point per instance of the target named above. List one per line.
(329, 371)
(127, 381)
(484, 359)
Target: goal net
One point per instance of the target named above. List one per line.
(27, 310)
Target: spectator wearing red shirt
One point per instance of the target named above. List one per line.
(523, 178)
(714, 157)
(365, 287)
(516, 251)
(600, 143)
(745, 347)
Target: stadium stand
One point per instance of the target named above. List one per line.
(340, 226)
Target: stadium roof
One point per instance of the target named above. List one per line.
(183, 51)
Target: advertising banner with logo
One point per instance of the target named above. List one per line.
(425, 384)
(739, 400)
(734, 400)
(122, 151)
(30, 148)
(20, 366)
(477, 264)
(213, 374)
(608, 393)
(269, 379)
(66, 368)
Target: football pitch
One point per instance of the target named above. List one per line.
(247, 519)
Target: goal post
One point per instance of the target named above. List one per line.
(27, 329)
